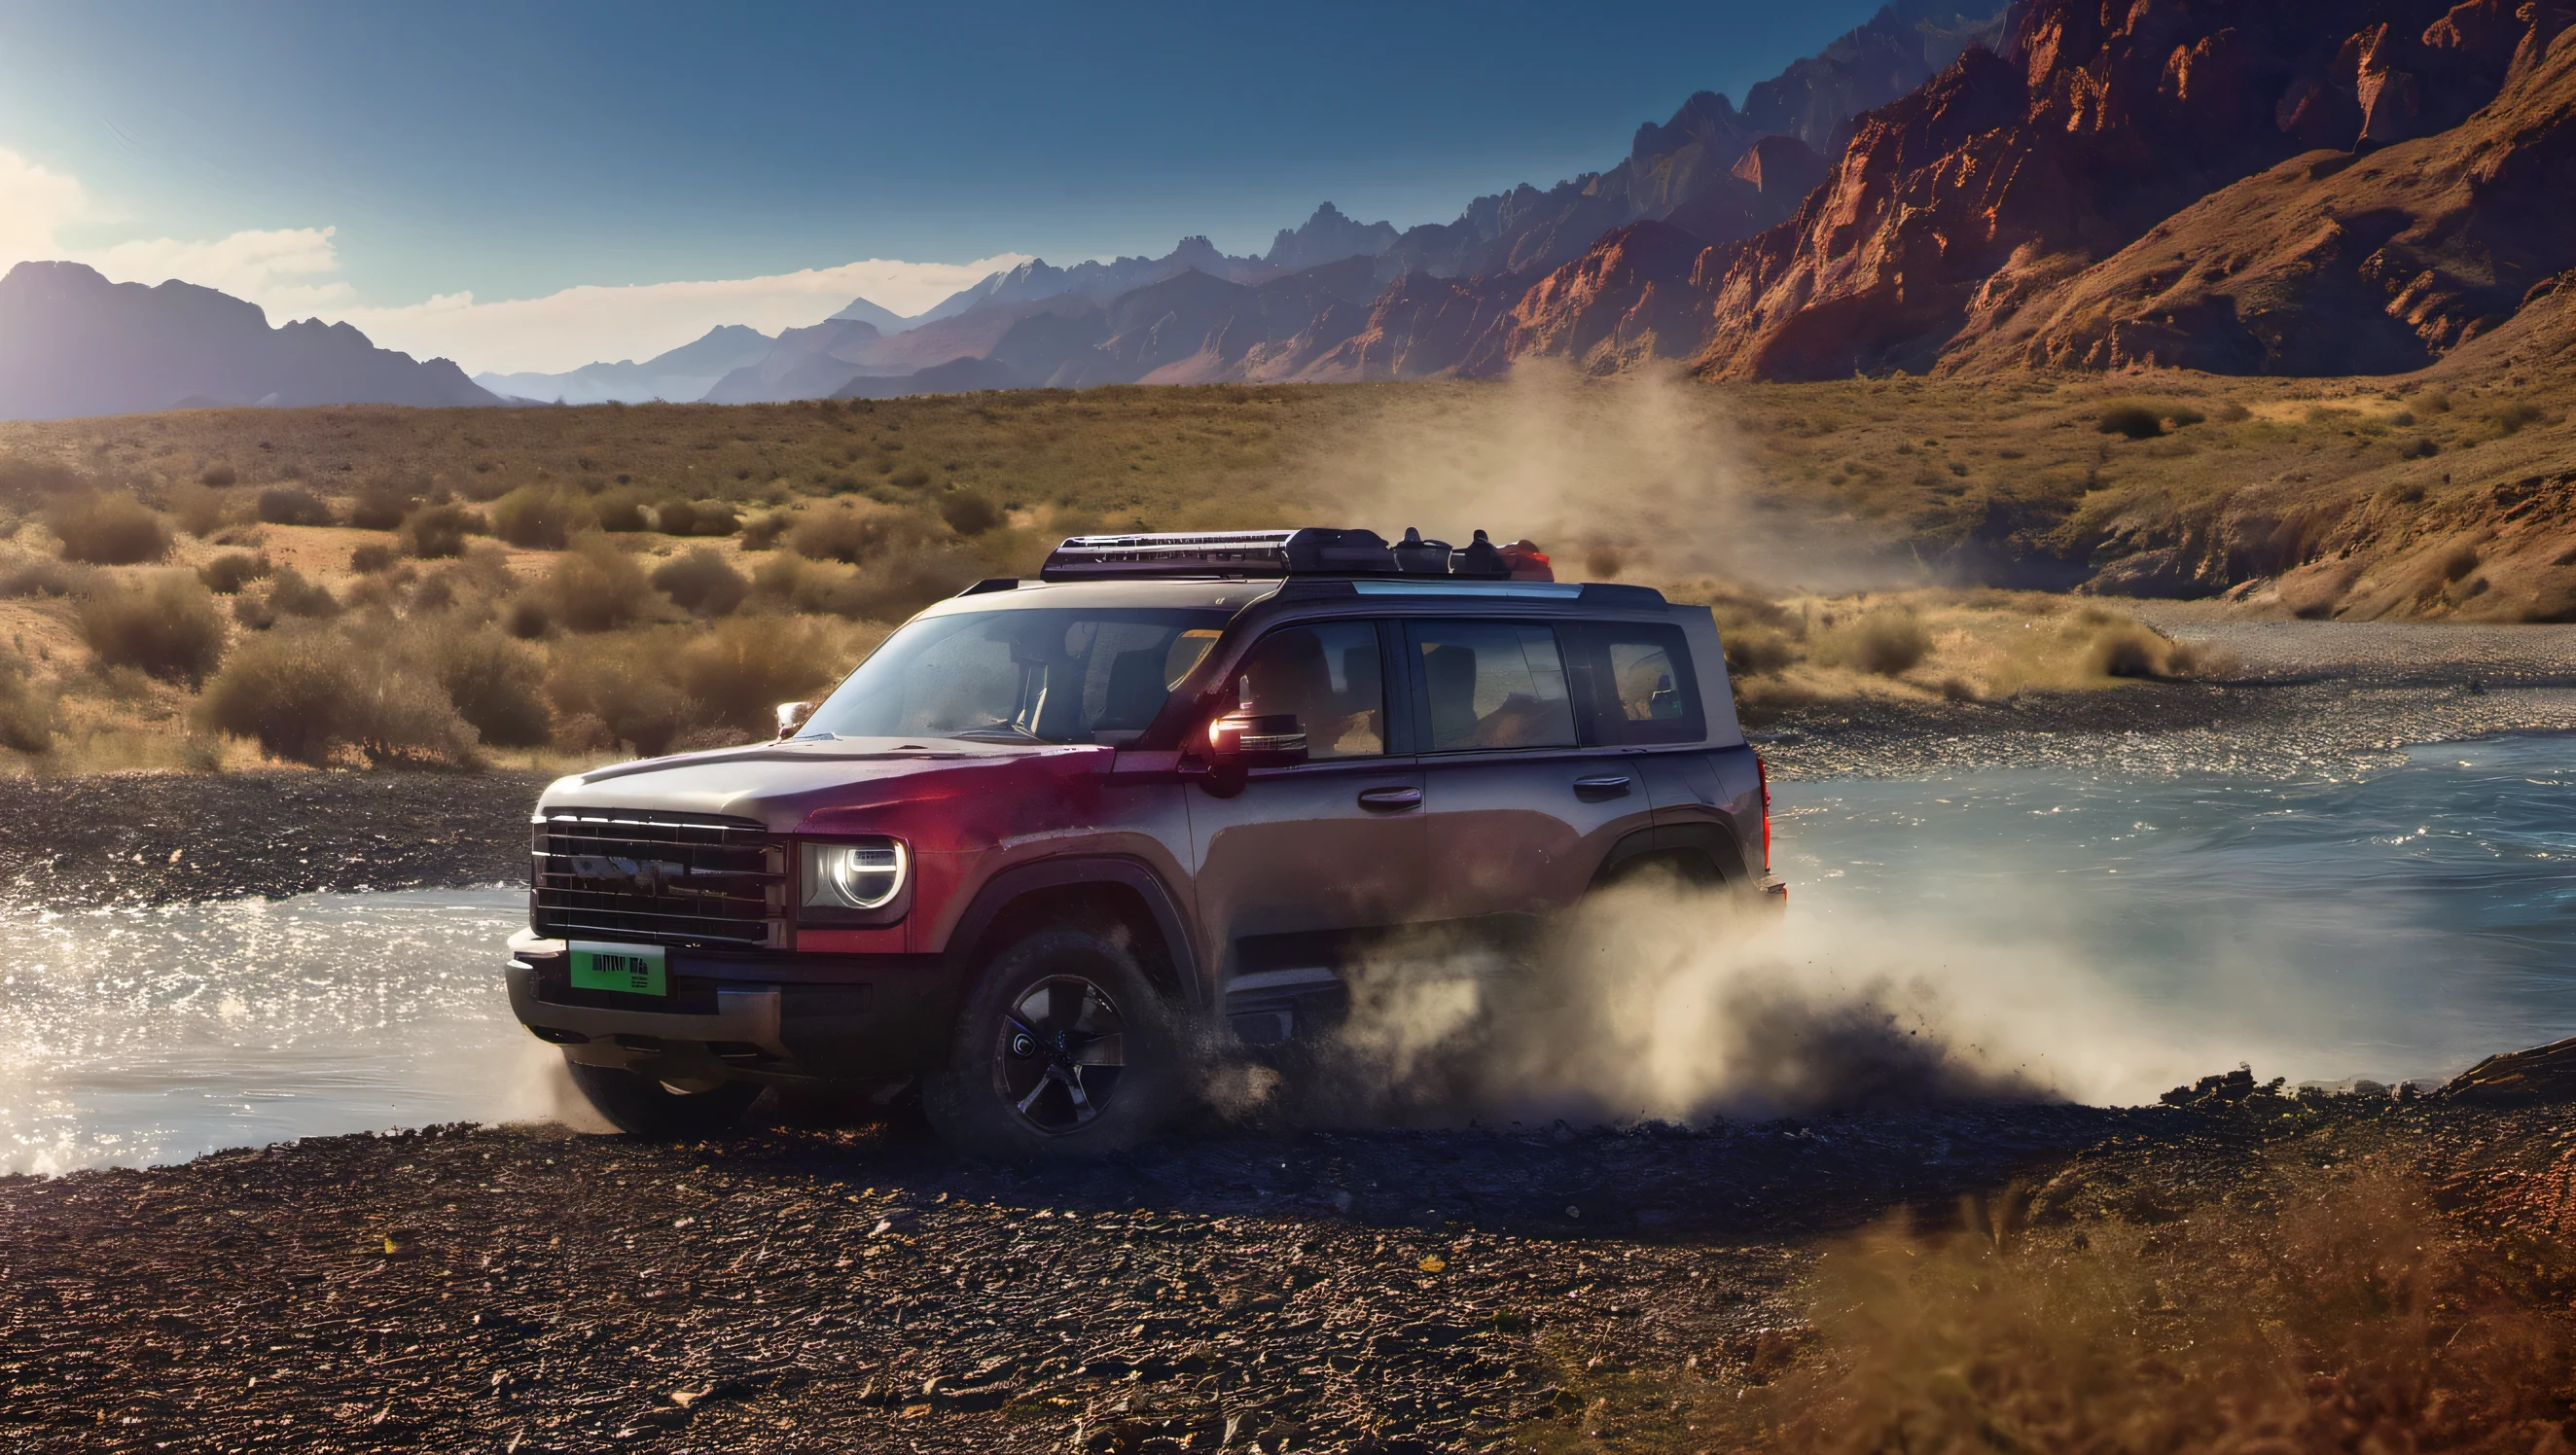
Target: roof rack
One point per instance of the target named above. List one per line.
(1308, 551)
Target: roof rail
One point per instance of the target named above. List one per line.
(1308, 551)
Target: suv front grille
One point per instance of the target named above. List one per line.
(657, 878)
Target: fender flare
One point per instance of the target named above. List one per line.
(1705, 837)
(1000, 891)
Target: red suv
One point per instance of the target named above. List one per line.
(1052, 834)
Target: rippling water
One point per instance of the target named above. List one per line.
(2119, 934)
(143, 1036)
(2396, 925)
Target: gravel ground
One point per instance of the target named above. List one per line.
(812, 1288)
(151, 838)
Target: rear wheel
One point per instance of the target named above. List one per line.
(643, 1107)
(1064, 1048)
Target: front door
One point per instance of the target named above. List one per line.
(1309, 860)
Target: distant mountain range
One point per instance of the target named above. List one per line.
(73, 343)
(2303, 186)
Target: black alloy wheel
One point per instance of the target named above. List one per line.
(1063, 1052)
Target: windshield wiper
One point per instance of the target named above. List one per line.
(1002, 731)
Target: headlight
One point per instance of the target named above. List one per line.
(864, 875)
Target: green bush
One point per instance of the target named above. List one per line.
(292, 505)
(539, 518)
(434, 532)
(595, 587)
(166, 626)
(702, 582)
(233, 570)
(107, 530)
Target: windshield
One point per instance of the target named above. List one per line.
(1054, 675)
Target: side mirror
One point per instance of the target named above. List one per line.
(792, 716)
(1247, 740)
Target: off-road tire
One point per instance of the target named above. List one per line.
(642, 1107)
(1005, 1094)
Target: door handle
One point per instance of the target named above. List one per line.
(1390, 800)
(1605, 785)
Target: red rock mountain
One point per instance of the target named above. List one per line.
(2290, 186)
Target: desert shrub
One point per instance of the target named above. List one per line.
(702, 582)
(2511, 416)
(1754, 650)
(292, 505)
(1887, 643)
(539, 518)
(528, 618)
(45, 576)
(199, 509)
(26, 716)
(107, 529)
(165, 626)
(858, 536)
(2136, 421)
(2332, 1311)
(716, 518)
(761, 532)
(622, 682)
(218, 477)
(495, 684)
(740, 670)
(595, 587)
(291, 594)
(970, 512)
(233, 570)
(371, 558)
(2182, 415)
(898, 586)
(382, 504)
(2124, 648)
(621, 511)
(434, 532)
(676, 518)
(302, 692)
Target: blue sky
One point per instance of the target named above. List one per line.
(514, 151)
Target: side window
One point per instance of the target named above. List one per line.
(1492, 684)
(1327, 676)
(1634, 684)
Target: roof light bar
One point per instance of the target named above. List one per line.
(1310, 551)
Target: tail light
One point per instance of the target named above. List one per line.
(1762, 772)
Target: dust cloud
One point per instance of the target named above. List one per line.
(1656, 1001)
(1642, 476)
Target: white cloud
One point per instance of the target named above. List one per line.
(292, 272)
(34, 206)
(284, 270)
(566, 330)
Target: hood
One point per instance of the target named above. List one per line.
(781, 784)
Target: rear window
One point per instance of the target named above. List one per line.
(1632, 684)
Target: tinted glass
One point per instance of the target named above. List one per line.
(1633, 684)
(1328, 676)
(1492, 684)
(1053, 676)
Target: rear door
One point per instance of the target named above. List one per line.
(1308, 860)
(1521, 807)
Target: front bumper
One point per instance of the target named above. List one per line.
(749, 1016)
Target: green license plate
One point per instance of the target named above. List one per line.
(631, 969)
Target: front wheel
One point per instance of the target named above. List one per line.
(1064, 1048)
(643, 1107)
